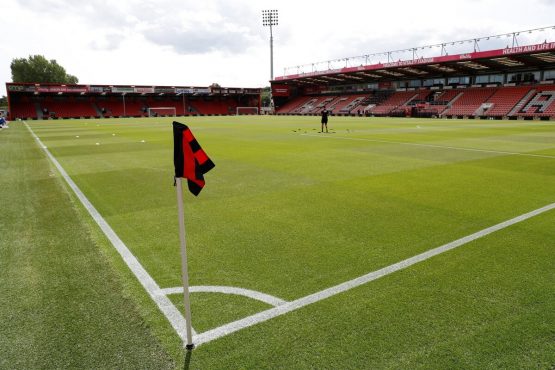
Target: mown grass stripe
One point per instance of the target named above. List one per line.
(329, 292)
(432, 146)
(166, 306)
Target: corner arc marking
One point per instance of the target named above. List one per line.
(262, 297)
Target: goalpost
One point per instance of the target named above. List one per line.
(246, 110)
(162, 112)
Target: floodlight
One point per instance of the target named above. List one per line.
(270, 19)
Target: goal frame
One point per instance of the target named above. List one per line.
(150, 110)
(256, 111)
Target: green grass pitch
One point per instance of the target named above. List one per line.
(287, 212)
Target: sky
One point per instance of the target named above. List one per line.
(197, 43)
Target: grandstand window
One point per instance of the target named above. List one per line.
(524, 77)
(433, 82)
(489, 79)
(459, 80)
(415, 83)
(549, 75)
(496, 78)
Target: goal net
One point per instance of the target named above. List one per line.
(247, 110)
(161, 112)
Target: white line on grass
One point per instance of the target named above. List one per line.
(266, 298)
(329, 292)
(282, 307)
(166, 306)
(431, 146)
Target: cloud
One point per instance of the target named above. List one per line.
(189, 27)
(109, 41)
(148, 41)
(221, 27)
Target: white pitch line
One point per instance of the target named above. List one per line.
(262, 297)
(432, 146)
(177, 320)
(166, 306)
(329, 292)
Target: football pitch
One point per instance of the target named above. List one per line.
(385, 243)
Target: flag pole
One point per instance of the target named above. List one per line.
(184, 271)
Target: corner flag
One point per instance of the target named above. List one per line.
(189, 159)
(191, 162)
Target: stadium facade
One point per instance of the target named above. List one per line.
(509, 83)
(58, 101)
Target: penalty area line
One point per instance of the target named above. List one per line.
(329, 292)
(173, 315)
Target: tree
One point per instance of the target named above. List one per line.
(38, 69)
(265, 96)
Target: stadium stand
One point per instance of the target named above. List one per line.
(540, 104)
(293, 105)
(468, 103)
(24, 108)
(69, 108)
(505, 99)
(509, 83)
(55, 101)
(213, 107)
(114, 107)
(180, 108)
(495, 102)
(353, 103)
(395, 101)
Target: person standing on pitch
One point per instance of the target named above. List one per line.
(325, 114)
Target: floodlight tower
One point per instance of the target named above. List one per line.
(270, 18)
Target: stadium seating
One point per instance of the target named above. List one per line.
(323, 102)
(338, 103)
(486, 102)
(212, 107)
(167, 102)
(524, 102)
(396, 100)
(541, 103)
(505, 99)
(114, 107)
(313, 105)
(469, 102)
(292, 105)
(24, 109)
(69, 108)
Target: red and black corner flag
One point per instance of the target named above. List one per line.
(189, 159)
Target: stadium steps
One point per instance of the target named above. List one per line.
(337, 102)
(38, 110)
(398, 99)
(540, 104)
(343, 102)
(469, 101)
(505, 99)
(307, 106)
(293, 105)
(321, 104)
(352, 105)
(96, 109)
(522, 102)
